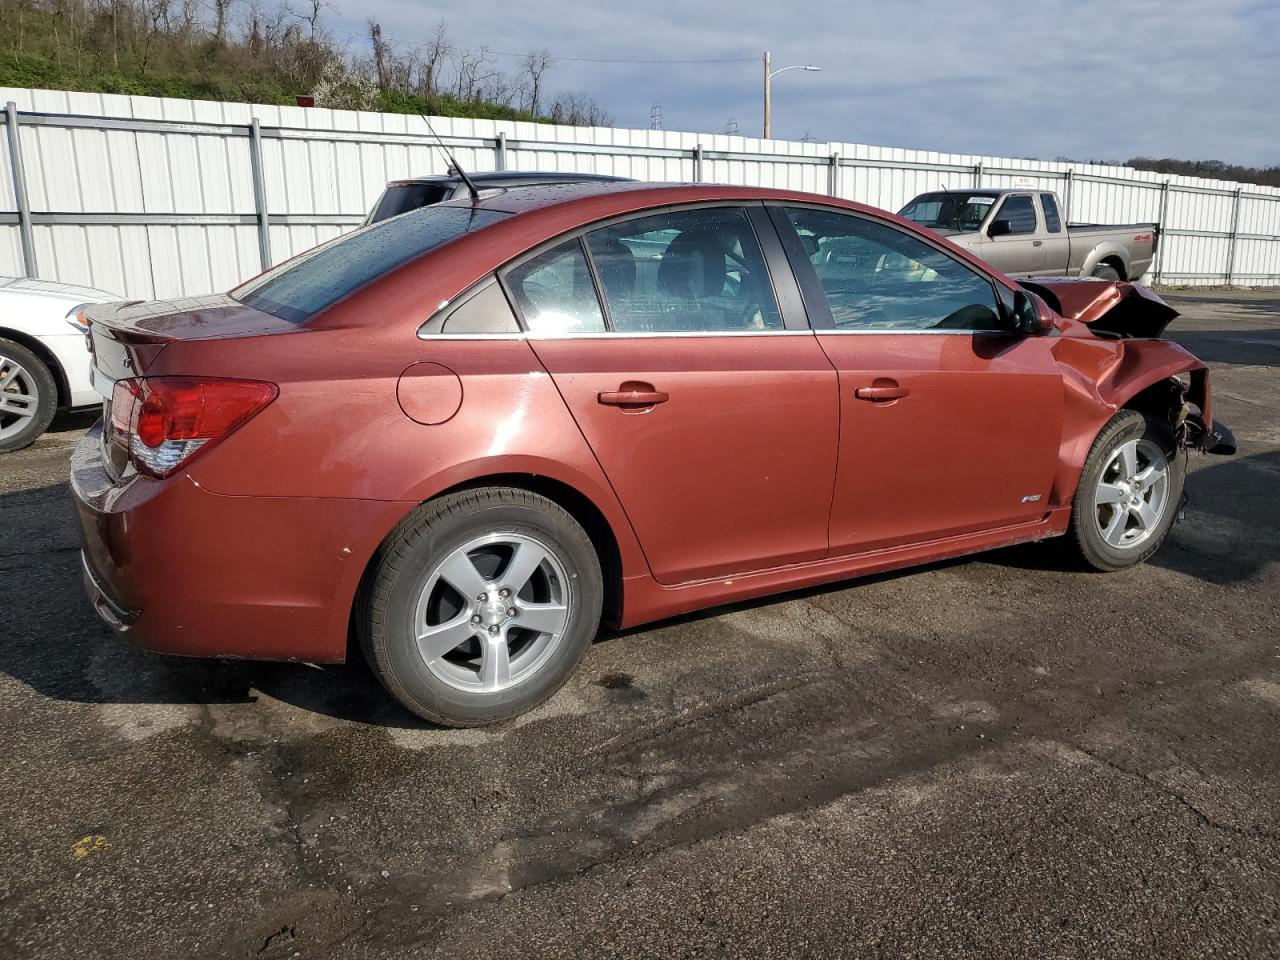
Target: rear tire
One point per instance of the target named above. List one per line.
(28, 396)
(1128, 494)
(481, 605)
(1104, 271)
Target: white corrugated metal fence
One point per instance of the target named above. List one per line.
(157, 198)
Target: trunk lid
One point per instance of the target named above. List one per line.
(126, 338)
(1113, 308)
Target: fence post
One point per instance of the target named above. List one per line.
(977, 174)
(260, 193)
(697, 164)
(1164, 216)
(20, 190)
(1069, 176)
(833, 176)
(1235, 229)
(500, 155)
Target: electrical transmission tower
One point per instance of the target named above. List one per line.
(655, 117)
(731, 127)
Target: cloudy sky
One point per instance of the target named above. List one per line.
(1085, 79)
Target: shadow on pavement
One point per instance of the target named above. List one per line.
(57, 647)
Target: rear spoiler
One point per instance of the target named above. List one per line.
(1110, 307)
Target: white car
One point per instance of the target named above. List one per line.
(44, 360)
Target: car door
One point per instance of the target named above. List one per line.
(950, 424)
(712, 410)
(1021, 250)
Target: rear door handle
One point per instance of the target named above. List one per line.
(881, 393)
(633, 397)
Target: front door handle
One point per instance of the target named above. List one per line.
(1037, 243)
(881, 394)
(634, 395)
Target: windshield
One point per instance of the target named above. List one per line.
(949, 211)
(300, 288)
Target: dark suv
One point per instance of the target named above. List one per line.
(401, 196)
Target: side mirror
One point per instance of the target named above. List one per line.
(999, 228)
(1027, 319)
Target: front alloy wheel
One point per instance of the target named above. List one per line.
(1128, 494)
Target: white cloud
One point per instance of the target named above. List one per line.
(1088, 79)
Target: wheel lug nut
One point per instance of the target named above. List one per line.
(483, 597)
(511, 611)
(476, 618)
(493, 631)
(504, 592)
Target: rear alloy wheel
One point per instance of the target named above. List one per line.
(28, 396)
(1128, 494)
(1104, 271)
(482, 604)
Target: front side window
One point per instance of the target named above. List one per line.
(684, 271)
(555, 293)
(1052, 222)
(1021, 214)
(300, 288)
(876, 277)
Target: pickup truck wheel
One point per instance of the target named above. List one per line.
(1128, 494)
(482, 604)
(1104, 271)
(28, 396)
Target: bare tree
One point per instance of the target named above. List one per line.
(221, 13)
(380, 52)
(436, 53)
(535, 64)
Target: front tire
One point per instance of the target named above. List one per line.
(1128, 494)
(28, 396)
(481, 605)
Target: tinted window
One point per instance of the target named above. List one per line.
(555, 293)
(877, 277)
(399, 198)
(1049, 204)
(302, 287)
(485, 312)
(686, 270)
(1021, 214)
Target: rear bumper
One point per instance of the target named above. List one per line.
(175, 569)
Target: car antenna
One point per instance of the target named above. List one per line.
(454, 165)
(955, 210)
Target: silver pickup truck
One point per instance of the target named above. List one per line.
(1020, 231)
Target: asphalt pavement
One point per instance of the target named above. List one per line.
(993, 757)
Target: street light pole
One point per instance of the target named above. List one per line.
(768, 88)
(768, 100)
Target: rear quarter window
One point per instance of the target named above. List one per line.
(299, 289)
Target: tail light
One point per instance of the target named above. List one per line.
(165, 421)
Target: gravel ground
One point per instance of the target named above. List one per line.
(994, 757)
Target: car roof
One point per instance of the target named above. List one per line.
(512, 176)
(992, 191)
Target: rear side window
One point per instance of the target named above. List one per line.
(685, 271)
(1021, 214)
(1052, 222)
(299, 289)
(555, 293)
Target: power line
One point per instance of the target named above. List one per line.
(508, 53)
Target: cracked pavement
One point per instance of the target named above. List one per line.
(993, 757)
